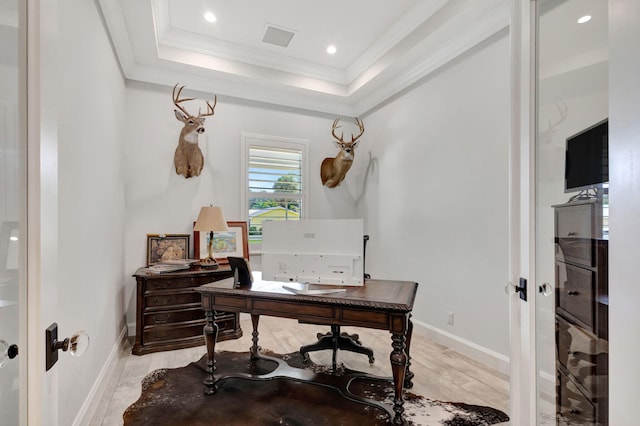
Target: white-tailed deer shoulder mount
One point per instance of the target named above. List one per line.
(188, 158)
(333, 170)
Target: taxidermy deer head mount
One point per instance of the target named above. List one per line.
(333, 170)
(188, 158)
(546, 136)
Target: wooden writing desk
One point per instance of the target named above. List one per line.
(379, 304)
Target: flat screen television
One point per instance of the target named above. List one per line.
(587, 158)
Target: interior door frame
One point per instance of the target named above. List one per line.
(522, 394)
(23, 291)
(42, 66)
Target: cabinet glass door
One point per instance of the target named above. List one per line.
(12, 300)
(572, 82)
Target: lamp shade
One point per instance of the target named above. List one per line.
(211, 219)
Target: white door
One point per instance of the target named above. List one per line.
(12, 230)
(521, 312)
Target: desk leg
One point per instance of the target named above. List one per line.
(210, 337)
(398, 367)
(255, 349)
(408, 375)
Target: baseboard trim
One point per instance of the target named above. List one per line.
(91, 402)
(474, 351)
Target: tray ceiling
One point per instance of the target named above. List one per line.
(382, 46)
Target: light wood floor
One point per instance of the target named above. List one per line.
(440, 373)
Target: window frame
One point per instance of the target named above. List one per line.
(255, 140)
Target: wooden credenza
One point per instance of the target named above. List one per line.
(168, 313)
(582, 306)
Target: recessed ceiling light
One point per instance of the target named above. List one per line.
(331, 50)
(210, 17)
(585, 18)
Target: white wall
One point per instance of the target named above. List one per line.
(624, 226)
(90, 112)
(436, 195)
(160, 201)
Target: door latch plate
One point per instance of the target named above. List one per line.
(522, 289)
(51, 337)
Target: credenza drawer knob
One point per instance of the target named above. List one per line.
(573, 293)
(571, 234)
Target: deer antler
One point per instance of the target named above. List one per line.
(333, 131)
(341, 138)
(177, 100)
(564, 112)
(210, 109)
(361, 127)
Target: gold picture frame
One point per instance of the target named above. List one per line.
(167, 247)
(231, 243)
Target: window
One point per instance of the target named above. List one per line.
(274, 177)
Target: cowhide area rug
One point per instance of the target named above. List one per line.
(175, 397)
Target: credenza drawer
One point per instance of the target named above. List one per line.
(227, 325)
(164, 300)
(576, 293)
(174, 316)
(576, 222)
(576, 250)
(584, 356)
(174, 332)
(162, 283)
(573, 405)
(577, 228)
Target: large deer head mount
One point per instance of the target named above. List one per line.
(188, 158)
(546, 136)
(333, 170)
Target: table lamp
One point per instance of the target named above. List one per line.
(210, 220)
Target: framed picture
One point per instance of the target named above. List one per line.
(167, 247)
(231, 243)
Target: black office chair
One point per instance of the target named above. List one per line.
(336, 340)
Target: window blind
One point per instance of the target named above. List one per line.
(274, 192)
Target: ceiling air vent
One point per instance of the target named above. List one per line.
(278, 36)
